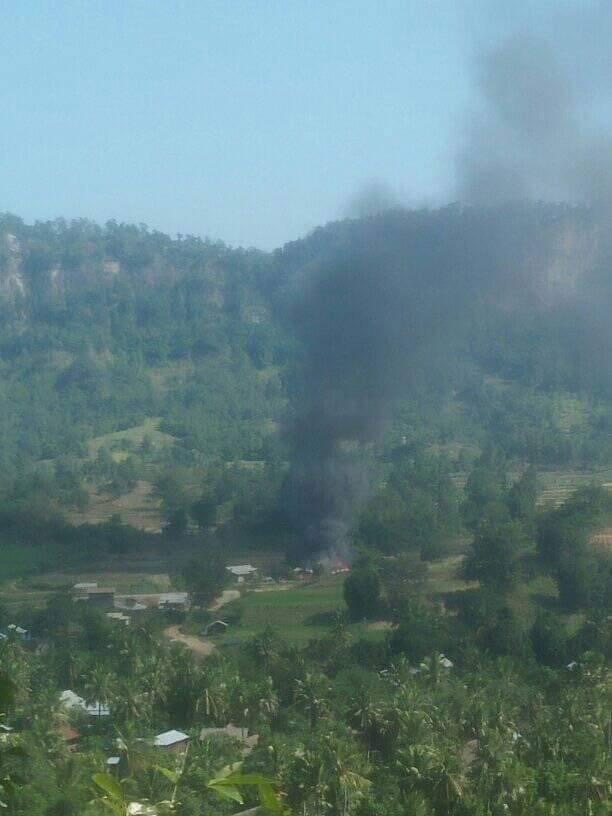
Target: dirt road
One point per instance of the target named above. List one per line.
(225, 597)
(198, 645)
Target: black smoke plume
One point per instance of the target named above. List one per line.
(371, 297)
(368, 308)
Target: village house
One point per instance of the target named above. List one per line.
(242, 571)
(177, 601)
(216, 627)
(119, 617)
(174, 741)
(84, 586)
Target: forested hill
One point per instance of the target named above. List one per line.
(104, 326)
(107, 328)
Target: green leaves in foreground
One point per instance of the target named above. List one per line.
(229, 781)
(226, 784)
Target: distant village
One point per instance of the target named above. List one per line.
(77, 712)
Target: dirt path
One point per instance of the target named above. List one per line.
(198, 645)
(225, 597)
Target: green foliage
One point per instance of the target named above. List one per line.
(420, 632)
(549, 639)
(205, 575)
(584, 575)
(495, 555)
(417, 510)
(362, 592)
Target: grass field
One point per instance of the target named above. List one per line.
(299, 613)
(16, 560)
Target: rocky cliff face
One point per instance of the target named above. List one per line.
(50, 268)
(12, 281)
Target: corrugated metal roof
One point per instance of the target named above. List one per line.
(173, 597)
(242, 569)
(170, 738)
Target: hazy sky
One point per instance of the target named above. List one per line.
(252, 122)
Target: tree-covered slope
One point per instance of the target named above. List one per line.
(103, 327)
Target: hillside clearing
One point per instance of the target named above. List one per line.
(134, 436)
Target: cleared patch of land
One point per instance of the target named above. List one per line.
(201, 647)
(140, 508)
(134, 436)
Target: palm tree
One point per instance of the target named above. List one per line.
(435, 772)
(265, 704)
(305, 781)
(99, 685)
(131, 703)
(311, 696)
(344, 768)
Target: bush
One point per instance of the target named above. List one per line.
(549, 639)
(421, 631)
(362, 593)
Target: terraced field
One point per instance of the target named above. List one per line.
(557, 486)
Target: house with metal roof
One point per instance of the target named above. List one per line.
(172, 740)
(242, 571)
(173, 600)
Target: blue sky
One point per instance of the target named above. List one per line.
(252, 122)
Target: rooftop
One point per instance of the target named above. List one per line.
(170, 738)
(242, 569)
(173, 597)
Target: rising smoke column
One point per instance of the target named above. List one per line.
(366, 313)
